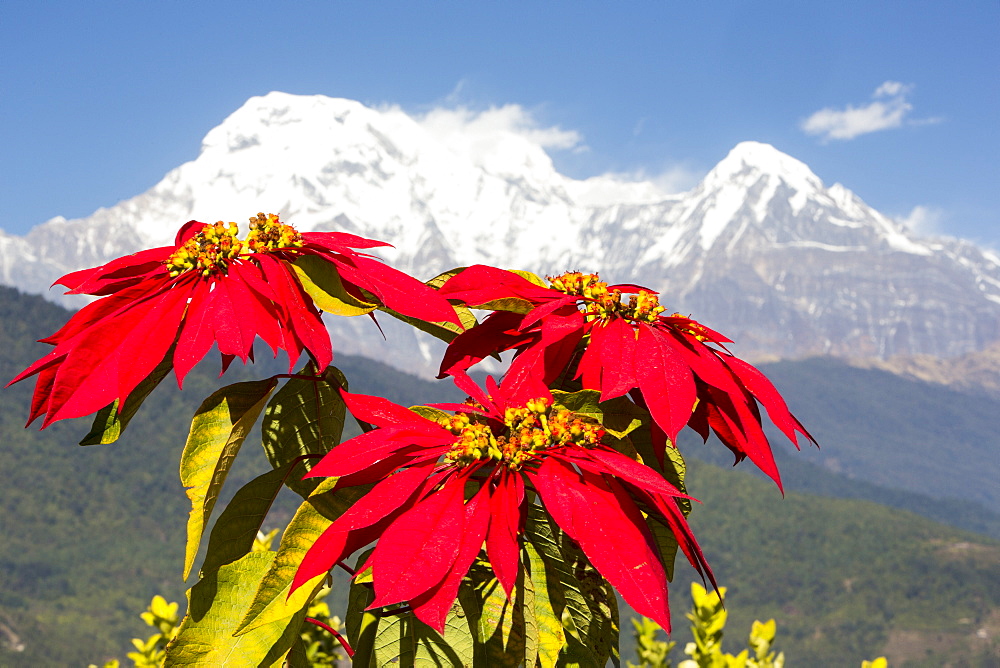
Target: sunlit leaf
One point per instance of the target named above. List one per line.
(526, 600)
(218, 429)
(321, 281)
(622, 417)
(215, 607)
(551, 636)
(404, 641)
(532, 278)
(271, 601)
(501, 625)
(304, 417)
(584, 402)
(585, 602)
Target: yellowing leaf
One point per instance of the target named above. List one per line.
(321, 281)
(404, 641)
(218, 429)
(551, 636)
(530, 277)
(271, 602)
(215, 607)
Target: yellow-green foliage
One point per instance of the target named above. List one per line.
(877, 663)
(651, 650)
(321, 650)
(149, 653)
(708, 622)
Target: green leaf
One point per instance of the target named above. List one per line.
(622, 417)
(584, 402)
(272, 602)
(551, 636)
(444, 330)
(527, 600)
(109, 422)
(321, 281)
(432, 414)
(404, 641)
(360, 596)
(304, 417)
(218, 429)
(215, 606)
(460, 630)
(236, 528)
(584, 601)
(501, 625)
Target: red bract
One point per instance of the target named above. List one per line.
(209, 288)
(676, 367)
(447, 487)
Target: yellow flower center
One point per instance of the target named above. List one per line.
(691, 327)
(207, 251)
(267, 233)
(603, 303)
(211, 249)
(533, 428)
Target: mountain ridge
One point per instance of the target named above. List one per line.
(760, 249)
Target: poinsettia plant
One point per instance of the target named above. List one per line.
(492, 531)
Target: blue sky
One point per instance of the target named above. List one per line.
(898, 101)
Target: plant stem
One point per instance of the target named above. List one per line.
(336, 634)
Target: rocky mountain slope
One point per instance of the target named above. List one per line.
(761, 249)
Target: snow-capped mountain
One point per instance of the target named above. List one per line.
(760, 249)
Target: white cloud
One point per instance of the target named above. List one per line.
(925, 221)
(497, 122)
(892, 89)
(504, 139)
(510, 139)
(887, 110)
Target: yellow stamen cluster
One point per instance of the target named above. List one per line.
(530, 429)
(207, 251)
(588, 286)
(267, 233)
(603, 303)
(695, 329)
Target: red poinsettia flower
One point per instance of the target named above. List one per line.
(209, 288)
(676, 367)
(445, 488)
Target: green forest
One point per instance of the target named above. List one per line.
(90, 534)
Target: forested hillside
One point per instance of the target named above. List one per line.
(89, 534)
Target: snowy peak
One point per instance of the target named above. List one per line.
(756, 159)
(757, 194)
(760, 249)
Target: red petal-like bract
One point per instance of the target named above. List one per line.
(362, 523)
(432, 607)
(436, 513)
(110, 346)
(431, 533)
(676, 367)
(505, 524)
(611, 531)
